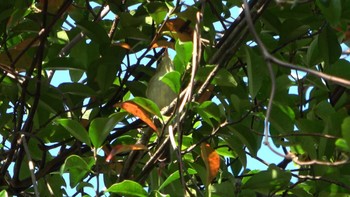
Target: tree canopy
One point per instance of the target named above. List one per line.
(232, 76)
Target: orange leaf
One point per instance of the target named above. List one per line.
(137, 111)
(123, 45)
(211, 160)
(124, 148)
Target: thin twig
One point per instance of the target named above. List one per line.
(30, 165)
(271, 59)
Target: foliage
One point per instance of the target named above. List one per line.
(95, 129)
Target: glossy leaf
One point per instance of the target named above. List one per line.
(225, 78)
(282, 118)
(157, 10)
(77, 168)
(3, 193)
(175, 176)
(267, 181)
(345, 128)
(329, 46)
(183, 55)
(147, 105)
(101, 127)
(209, 110)
(128, 188)
(255, 72)
(75, 129)
(172, 79)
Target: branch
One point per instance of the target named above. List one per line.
(30, 165)
(271, 59)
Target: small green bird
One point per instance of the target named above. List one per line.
(157, 90)
(162, 95)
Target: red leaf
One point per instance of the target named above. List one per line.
(212, 161)
(124, 148)
(137, 111)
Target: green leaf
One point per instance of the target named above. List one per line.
(157, 10)
(237, 148)
(324, 110)
(331, 10)
(341, 68)
(75, 129)
(183, 55)
(267, 181)
(106, 74)
(342, 144)
(101, 127)
(174, 176)
(313, 55)
(137, 88)
(84, 53)
(172, 79)
(128, 188)
(3, 193)
(63, 63)
(256, 67)
(282, 118)
(209, 110)
(345, 128)
(76, 89)
(94, 31)
(76, 75)
(246, 137)
(224, 78)
(329, 46)
(292, 29)
(147, 105)
(77, 168)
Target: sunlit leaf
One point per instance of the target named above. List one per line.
(183, 55)
(174, 176)
(345, 127)
(77, 168)
(266, 181)
(137, 111)
(147, 105)
(157, 10)
(75, 129)
(172, 79)
(128, 188)
(101, 127)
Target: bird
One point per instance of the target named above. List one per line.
(157, 91)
